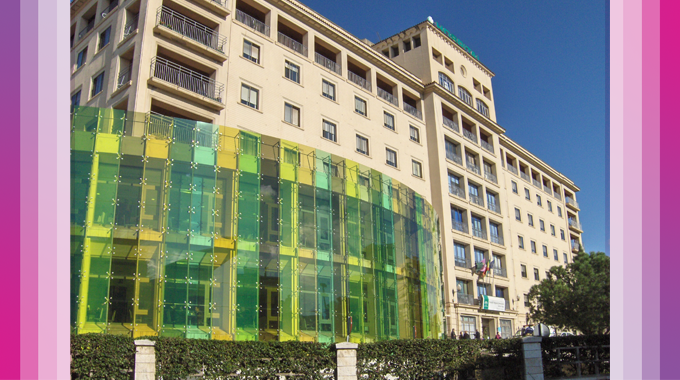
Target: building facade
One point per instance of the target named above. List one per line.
(385, 130)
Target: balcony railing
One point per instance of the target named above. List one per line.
(124, 76)
(388, 96)
(185, 78)
(474, 168)
(496, 239)
(327, 63)
(189, 28)
(525, 176)
(358, 80)
(450, 124)
(292, 44)
(575, 246)
(413, 111)
(575, 224)
(494, 207)
(159, 125)
(463, 263)
(460, 226)
(536, 183)
(457, 191)
(469, 135)
(252, 22)
(571, 201)
(547, 189)
(131, 25)
(112, 5)
(476, 199)
(512, 169)
(557, 195)
(491, 177)
(487, 146)
(87, 28)
(455, 158)
(500, 272)
(479, 233)
(467, 299)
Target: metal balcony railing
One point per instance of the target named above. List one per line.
(463, 263)
(189, 28)
(512, 169)
(292, 44)
(185, 78)
(525, 176)
(124, 76)
(479, 233)
(467, 299)
(557, 195)
(87, 28)
(494, 207)
(491, 177)
(457, 191)
(496, 239)
(450, 123)
(252, 22)
(469, 135)
(575, 224)
(359, 80)
(455, 158)
(547, 189)
(536, 183)
(327, 63)
(158, 125)
(131, 25)
(571, 201)
(112, 5)
(179, 130)
(413, 111)
(487, 146)
(500, 272)
(476, 199)
(474, 168)
(460, 226)
(388, 96)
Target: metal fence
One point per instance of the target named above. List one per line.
(189, 28)
(185, 78)
(471, 136)
(292, 44)
(491, 177)
(476, 199)
(487, 146)
(327, 63)
(387, 96)
(131, 25)
(252, 22)
(450, 123)
(359, 80)
(460, 226)
(125, 75)
(457, 191)
(158, 125)
(474, 168)
(413, 111)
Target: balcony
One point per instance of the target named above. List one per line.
(575, 246)
(466, 299)
(455, 158)
(547, 189)
(87, 28)
(525, 176)
(252, 22)
(124, 77)
(536, 183)
(476, 199)
(571, 202)
(413, 111)
(450, 124)
(460, 226)
(487, 146)
(512, 169)
(502, 273)
(479, 233)
(472, 167)
(557, 195)
(575, 224)
(388, 96)
(195, 35)
(292, 44)
(359, 81)
(463, 262)
(185, 82)
(494, 207)
(497, 239)
(491, 177)
(131, 26)
(457, 191)
(327, 63)
(112, 6)
(470, 136)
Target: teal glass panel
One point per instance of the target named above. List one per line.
(179, 202)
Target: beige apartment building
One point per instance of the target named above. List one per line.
(417, 106)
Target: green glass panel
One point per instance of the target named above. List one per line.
(179, 203)
(153, 195)
(103, 189)
(147, 312)
(129, 193)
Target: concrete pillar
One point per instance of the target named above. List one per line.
(346, 361)
(145, 360)
(533, 358)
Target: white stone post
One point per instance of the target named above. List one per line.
(533, 358)
(145, 360)
(346, 361)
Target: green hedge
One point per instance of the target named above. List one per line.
(441, 359)
(565, 365)
(102, 356)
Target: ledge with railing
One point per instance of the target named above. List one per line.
(292, 44)
(571, 201)
(547, 189)
(328, 63)
(491, 177)
(474, 168)
(463, 263)
(513, 169)
(131, 25)
(252, 22)
(413, 111)
(460, 226)
(557, 195)
(178, 130)
(536, 183)
(575, 246)
(500, 272)
(450, 124)
(359, 80)
(494, 207)
(112, 6)
(487, 146)
(496, 239)
(476, 199)
(457, 191)
(525, 176)
(455, 158)
(469, 135)
(575, 224)
(86, 29)
(480, 233)
(388, 96)
(467, 299)
(124, 76)
(189, 28)
(187, 79)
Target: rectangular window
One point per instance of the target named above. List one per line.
(549, 206)
(562, 234)
(417, 168)
(566, 261)
(389, 121)
(481, 289)
(293, 72)
(538, 200)
(391, 157)
(414, 134)
(416, 42)
(514, 187)
(545, 251)
(451, 151)
(249, 96)
(97, 84)
(541, 225)
(468, 325)
(328, 89)
(362, 145)
(523, 270)
(527, 194)
(555, 254)
(520, 242)
(291, 114)
(364, 181)
(479, 256)
(395, 50)
(407, 46)
(536, 276)
(518, 214)
(459, 253)
(559, 211)
(531, 219)
(526, 301)
(251, 51)
(533, 246)
(456, 215)
(104, 38)
(360, 106)
(82, 57)
(329, 131)
(552, 230)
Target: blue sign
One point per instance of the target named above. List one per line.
(453, 38)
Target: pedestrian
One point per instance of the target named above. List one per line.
(498, 335)
(466, 336)
(453, 334)
(530, 330)
(524, 330)
(461, 336)
(477, 335)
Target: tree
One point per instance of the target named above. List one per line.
(575, 297)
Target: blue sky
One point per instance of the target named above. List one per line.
(550, 87)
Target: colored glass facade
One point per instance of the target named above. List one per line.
(183, 228)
